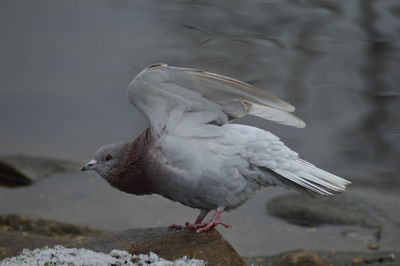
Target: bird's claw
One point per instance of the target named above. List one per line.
(187, 226)
(211, 225)
(204, 227)
(190, 226)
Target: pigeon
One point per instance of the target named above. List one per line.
(191, 153)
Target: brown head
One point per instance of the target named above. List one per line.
(106, 158)
(123, 165)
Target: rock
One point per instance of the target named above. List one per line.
(22, 170)
(12, 243)
(304, 210)
(60, 255)
(18, 232)
(209, 246)
(314, 258)
(357, 260)
(373, 246)
(36, 226)
(302, 258)
(4, 250)
(11, 177)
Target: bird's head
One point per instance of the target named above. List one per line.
(105, 158)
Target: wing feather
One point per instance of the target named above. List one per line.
(276, 115)
(243, 90)
(166, 94)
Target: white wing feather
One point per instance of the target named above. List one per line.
(166, 94)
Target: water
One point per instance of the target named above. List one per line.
(65, 67)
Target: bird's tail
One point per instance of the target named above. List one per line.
(312, 179)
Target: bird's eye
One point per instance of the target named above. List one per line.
(108, 157)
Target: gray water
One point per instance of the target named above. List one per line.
(65, 66)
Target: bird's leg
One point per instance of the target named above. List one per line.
(215, 220)
(202, 215)
(197, 224)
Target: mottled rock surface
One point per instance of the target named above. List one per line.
(22, 170)
(60, 255)
(18, 232)
(326, 258)
(36, 226)
(12, 243)
(209, 246)
(308, 211)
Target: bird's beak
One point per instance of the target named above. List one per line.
(89, 165)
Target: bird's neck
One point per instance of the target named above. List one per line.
(129, 174)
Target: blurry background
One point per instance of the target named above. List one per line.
(65, 67)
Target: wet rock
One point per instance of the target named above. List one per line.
(4, 250)
(308, 211)
(60, 255)
(302, 258)
(209, 246)
(18, 232)
(12, 243)
(22, 170)
(290, 258)
(317, 258)
(36, 226)
(373, 246)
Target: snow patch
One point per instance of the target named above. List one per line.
(60, 255)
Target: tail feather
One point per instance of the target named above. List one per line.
(309, 178)
(304, 183)
(338, 182)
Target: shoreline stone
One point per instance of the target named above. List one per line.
(326, 258)
(304, 210)
(209, 246)
(19, 232)
(36, 226)
(23, 170)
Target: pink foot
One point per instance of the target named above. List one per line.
(190, 226)
(215, 220)
(211, 225)
(187, 226)
(202, 227)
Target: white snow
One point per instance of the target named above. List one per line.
(60, 255)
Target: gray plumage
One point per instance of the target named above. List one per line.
(193, 155)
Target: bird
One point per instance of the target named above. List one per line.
(193, 154)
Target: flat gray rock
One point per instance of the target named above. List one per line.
(304, 210)
(23, 170)
(18, 232)
(208, 246)
(326, 258)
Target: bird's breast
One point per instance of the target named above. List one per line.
(212, 186)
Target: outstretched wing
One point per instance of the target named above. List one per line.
(169, 96)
